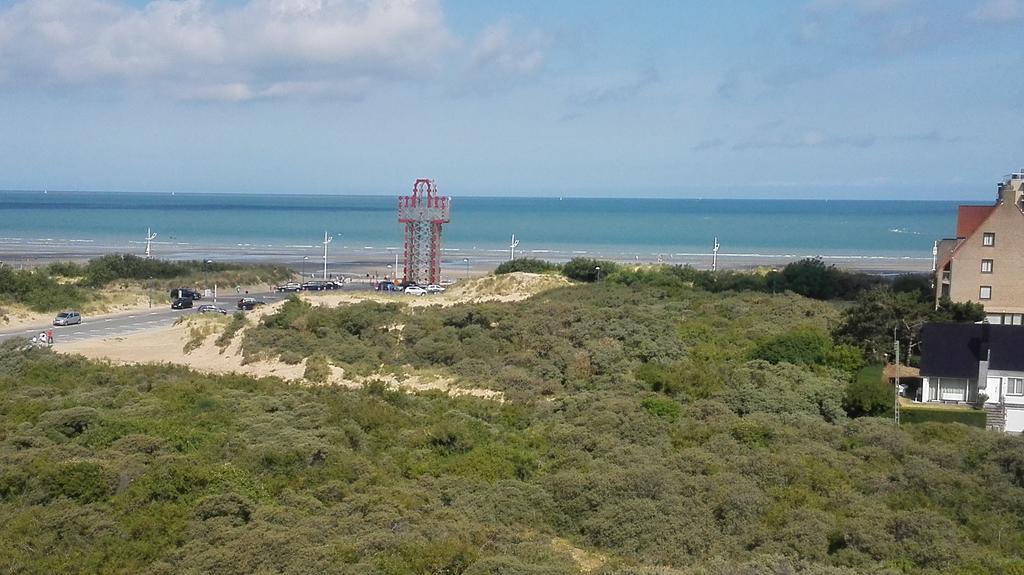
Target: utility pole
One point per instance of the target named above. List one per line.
(515, 243)
(327, 241)
(896, 384)
(150, 236)
(714, 256)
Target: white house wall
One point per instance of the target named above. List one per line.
(1014, 419)
(992, 389)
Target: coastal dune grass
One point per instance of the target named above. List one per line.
(69, 285)
(156, 469)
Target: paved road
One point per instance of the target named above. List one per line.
(122, 324)
(127, 323)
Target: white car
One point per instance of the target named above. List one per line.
(415, 290)
(434, 288)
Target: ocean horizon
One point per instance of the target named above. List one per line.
(882, 234)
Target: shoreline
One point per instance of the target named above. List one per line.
(359, 261)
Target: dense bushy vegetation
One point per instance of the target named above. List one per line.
(156, 469)
(573, 338)
(529, 265)
(880, 313)
(37, 290)
(104, 270)
(66, 285)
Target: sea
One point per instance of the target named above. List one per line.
(365, 232)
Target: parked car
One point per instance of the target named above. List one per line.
(315, 285)
(385, 286)
(415, 290)
(290, 286)
(181, 303)
(434, 288)
(178, 293)
(210, 308)
(67, 318)
(249, 303)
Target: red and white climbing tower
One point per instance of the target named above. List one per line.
(423, 212)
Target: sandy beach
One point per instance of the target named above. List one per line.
(369, 262)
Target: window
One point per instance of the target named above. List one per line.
(1014, 386)
(986, 266)
(988, 239)
(952, 389)
(985, 292)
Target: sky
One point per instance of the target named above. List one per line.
(872, 99)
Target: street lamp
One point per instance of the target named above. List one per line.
(466, 261)
(327, 242)
(304, 260)
(598, 270)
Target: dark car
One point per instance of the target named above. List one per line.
(315, 285)
(180, 293)
(249, 303)
(210, 308)
(181, 303)
(290, 286)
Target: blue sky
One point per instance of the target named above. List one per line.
(763, 99)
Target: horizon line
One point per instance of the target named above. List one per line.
(512, 197)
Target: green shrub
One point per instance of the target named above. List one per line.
(588, 269)
(238, 321)
(868, 394)
(317, 369)
(799, 347)
(530, 265)
(662, 407)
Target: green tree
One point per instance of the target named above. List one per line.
(868, 394)
(960, 312)
(810, 277)
(588, 269)
(869, 323)
(531, 265)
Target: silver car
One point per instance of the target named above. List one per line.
(67, 318)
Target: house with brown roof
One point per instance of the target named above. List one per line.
(984, 263)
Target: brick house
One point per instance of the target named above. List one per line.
(984, 263)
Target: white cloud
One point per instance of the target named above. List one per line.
(195, 50)
(999, 11)
(499, 48)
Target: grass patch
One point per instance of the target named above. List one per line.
(237, 322)
(971, 417)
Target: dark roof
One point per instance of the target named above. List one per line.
(954, 349)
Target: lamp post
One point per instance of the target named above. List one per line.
(327, 242)
(466, 261)
(304, 260)
(598, 270)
